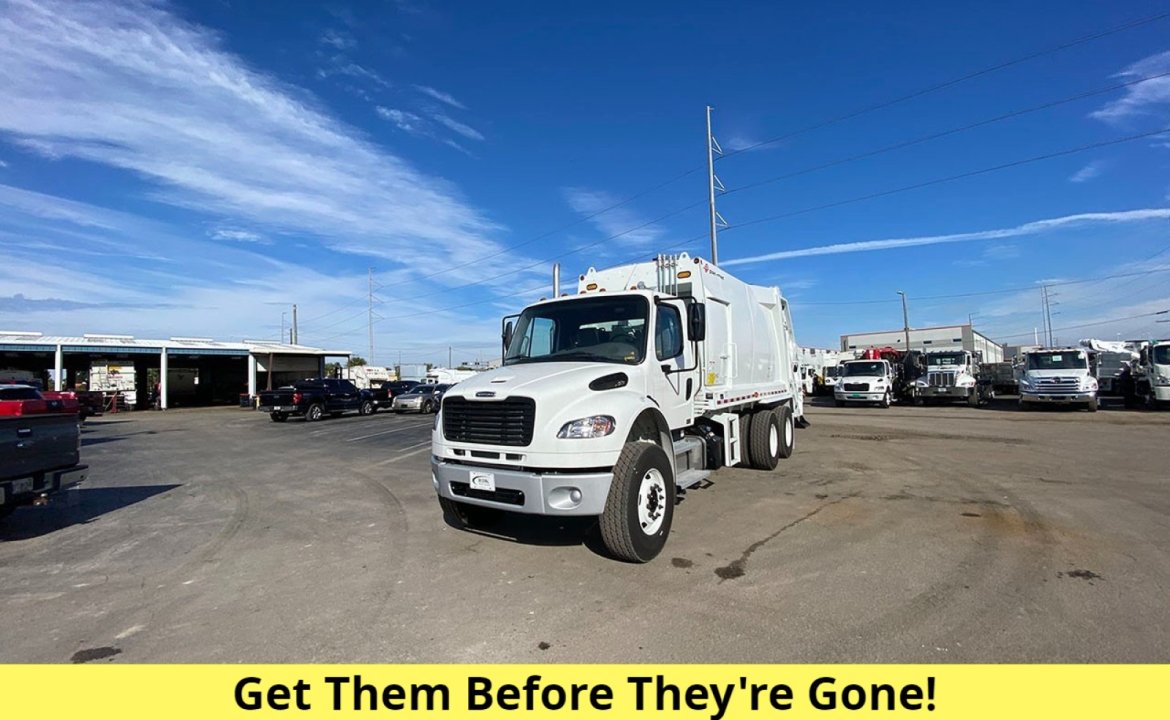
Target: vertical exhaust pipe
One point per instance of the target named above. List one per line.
(556, 280)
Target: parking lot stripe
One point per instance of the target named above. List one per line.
(419, 448)
(387, 432)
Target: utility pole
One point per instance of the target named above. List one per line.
(282, 314)
(296, 335)
(371, 320)
(449, 365)
(1048, 313)
(713, 184)
(905, 320)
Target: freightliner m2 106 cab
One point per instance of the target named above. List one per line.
(612, 400)
(1058, 376)
(865, 381)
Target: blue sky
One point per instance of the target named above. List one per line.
(195, 168)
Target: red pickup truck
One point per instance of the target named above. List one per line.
(40, 446)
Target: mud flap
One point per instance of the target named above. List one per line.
(802, 422)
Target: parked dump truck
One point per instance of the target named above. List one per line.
(952, 375)
(611, 401)
(1058, 375)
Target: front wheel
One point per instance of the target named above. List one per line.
(1092, 405)
(839, 403)
(640, 507)
(367, 408)
(973, 398)
(428, 407)
(885, 403)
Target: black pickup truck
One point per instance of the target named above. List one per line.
(39, 448)
(316, 398)
(384, 396)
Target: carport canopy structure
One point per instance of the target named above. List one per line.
(193, 370)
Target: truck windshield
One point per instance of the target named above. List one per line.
(1162, 355)
(855, 369)
(1058, 361)
(597, 329)
(833, 371)
(948, 359)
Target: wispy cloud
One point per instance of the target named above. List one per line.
(1151, 97)
(1088, 172)
(440, 96)
(245, 236)
(1032, 228)
(343, 68)
(618, 221)
(458, 127)
(338, 40)
(403, 120)
(131, 86)
(3, 164)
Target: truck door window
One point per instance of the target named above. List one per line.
(668, 341)
(1162, 355)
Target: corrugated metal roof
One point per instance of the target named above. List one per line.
(123, 342)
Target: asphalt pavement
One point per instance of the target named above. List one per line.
(911, 534)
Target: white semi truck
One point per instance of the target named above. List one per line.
(611, 401)
(1058, 375)
(1153, 373)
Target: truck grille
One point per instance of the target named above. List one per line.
(490, 422)
(1057, 386)
(941, 379)
(856, 387)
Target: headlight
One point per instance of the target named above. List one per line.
(921, 383)
(587, 427)
(1089, 383)
(1024, 384)
(1162, 379)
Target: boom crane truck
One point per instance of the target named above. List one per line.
(612, 401)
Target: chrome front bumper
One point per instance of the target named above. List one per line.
(1079, 397)
(524, 492)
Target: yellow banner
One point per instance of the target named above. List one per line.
(572, 692)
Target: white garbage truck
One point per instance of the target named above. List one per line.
(611, 401)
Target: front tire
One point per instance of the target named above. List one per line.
(1092, 405)
(973, 398)
(314, 413)
(427, 408)
(640, 507)
(839, 403)
(278, 416)
(367, 408)
(885, 403)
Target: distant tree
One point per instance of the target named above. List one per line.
(356, 361)
(333, 369)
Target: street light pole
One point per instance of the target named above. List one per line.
(905, 320)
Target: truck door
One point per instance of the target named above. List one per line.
(673, 376)
(348, 395)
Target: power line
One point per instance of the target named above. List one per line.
(1085, 325)
(956, 81)
(952, 178)
(1022, 288)
(944, 133)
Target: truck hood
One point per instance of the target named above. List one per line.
(1055, 373)
(530, 379)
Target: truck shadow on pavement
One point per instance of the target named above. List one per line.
(539, 530)
(74, 507)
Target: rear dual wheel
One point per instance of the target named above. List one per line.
(772, 436)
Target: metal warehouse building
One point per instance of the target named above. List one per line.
(949, 337)
(189, 371)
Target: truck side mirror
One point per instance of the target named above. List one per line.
(697, 321)
(507, 335)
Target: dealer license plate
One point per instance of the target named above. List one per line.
(22, 486)
(856, 397)
(483, 481)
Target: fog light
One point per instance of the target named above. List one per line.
(564, 498)
(575, 495)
